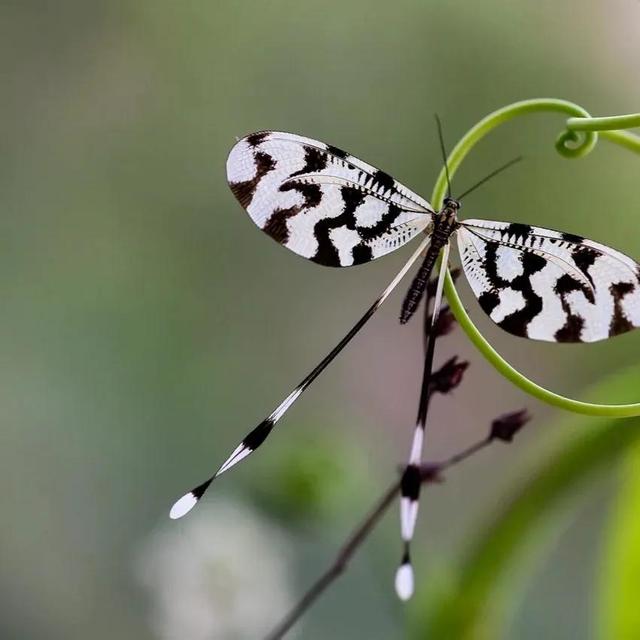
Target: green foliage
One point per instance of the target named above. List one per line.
(620, 581)
(474, 602)
(310, 478)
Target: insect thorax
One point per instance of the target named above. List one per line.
(445, 222)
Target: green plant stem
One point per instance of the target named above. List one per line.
(604, 124)
(625, 139)
(577, 140)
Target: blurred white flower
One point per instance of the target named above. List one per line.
(221, 574)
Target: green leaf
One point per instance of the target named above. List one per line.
(311, 478)
(475, 600)
(620, 584)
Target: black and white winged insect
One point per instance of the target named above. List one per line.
(334, 209)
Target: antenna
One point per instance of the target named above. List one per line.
(491, 175)
(444, 154)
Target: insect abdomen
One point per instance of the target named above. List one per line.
(419, 284)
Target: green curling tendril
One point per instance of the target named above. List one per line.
(577, 140)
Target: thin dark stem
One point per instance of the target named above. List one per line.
(340, 563)
(463, 455)
(430, 473)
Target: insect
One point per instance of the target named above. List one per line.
(336, 210)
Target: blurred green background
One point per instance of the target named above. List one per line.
(146, 323)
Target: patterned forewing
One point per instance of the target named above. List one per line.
(548, 285)
(321, 202)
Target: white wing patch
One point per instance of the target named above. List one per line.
(321, 202)
(547, 285)
(507, 266)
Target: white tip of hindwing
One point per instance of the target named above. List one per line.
(404, 581)
(246, 447)
(183, 506)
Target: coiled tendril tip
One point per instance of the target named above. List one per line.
(577, 140)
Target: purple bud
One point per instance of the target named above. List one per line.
(448, 376)
(430, 472)
(446, 322)
(506, 426)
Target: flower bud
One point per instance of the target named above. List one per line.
(448, 376)
(506, 426)
(446, 322)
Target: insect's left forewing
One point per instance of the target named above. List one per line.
(547, 285)
(321, 202)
